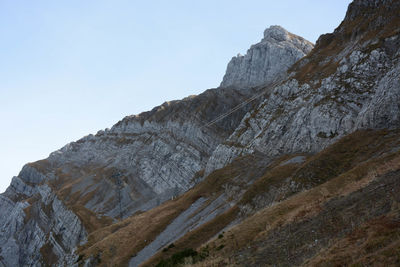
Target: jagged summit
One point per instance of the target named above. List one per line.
(338, 88)
(266, 60)
(277, 33)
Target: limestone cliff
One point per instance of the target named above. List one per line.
(140, 162)
(321, 140)
(349, 81)
(267, 60)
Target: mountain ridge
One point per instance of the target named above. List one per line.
(339, 82)
(142, 161)
(266, 60)
(160, 188)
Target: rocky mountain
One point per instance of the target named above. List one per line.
(266, 60)
(348, 82)
(139, 163)
(300, 165)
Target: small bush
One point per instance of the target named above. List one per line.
(220, 247)
(169, 247)
(80, 257)
(179, 257)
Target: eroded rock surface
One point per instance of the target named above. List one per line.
(348, 82)
(267, 60)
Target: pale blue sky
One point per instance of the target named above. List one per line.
(70, 68)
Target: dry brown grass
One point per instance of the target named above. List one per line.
(76, 201)
(194, 239)
(42, 166)
(375, 243)
(49, 258)
(356, 33)
(117, 243)
(274, 177)
(28, 214)
(91, 220)
(302, 205)
(345, 154)
(345, 166)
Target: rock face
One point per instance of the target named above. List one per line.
(267, 60)
(139, 163)
(39, 230)
(349, 81)
(146, 159)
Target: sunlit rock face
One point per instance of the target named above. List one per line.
(139, 163)
(349, 81)
(142, 161)
(267, 60)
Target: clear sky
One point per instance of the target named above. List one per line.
(70, 68)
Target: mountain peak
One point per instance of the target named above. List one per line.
(277, 33)
(266, 60)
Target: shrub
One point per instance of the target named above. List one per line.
(179, 257)
(220, 247)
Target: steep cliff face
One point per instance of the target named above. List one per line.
(136, 165)
(139, 163)
(267, 60)
(289, 159)
(303, 209)
(38, 228)
(349, 81)
(150, 157)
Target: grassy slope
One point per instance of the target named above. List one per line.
(117, 243)
(370, 24)
(345, 167)
(350, 165)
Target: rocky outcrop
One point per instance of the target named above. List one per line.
(192, 218)
(39, 233)
(349, 81)
(139, 163)
(355, 86)
(146, 159)
(136, 165)
(267, 60)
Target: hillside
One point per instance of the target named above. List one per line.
(300, 165)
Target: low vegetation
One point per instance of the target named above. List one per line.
(339, 171)
(298, 211)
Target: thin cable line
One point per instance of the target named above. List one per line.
(239, 106)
